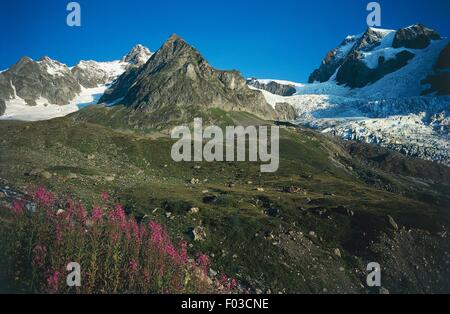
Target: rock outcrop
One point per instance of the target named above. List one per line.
(2, 107)
(439, 81)
(414, 37)
(273, 87)
(285, 112)
(355, 73)
(332, 61)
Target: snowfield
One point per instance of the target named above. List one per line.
(17, 108)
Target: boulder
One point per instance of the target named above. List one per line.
(46, 175)
(194, 210)
(392, 222)
(337, 252)
(199, 233)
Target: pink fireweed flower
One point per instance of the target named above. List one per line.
(70, 208)
(39, 254)
(146, 276)
(171, 251)
(143, 232)
(115, 236)
(157, 236)
(183, 252)
(59, 233)
(202, 261)
(134, 265)
(118, 214)
(134, 229)
(53, 282)
(18, 207)
(222, 282)
(97, 214)
(76, 211)
(232, 284)
(105, 197)
(226, 283)
(43, 197)
(80, 212)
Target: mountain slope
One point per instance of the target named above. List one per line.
(311, 227)
(177, 81)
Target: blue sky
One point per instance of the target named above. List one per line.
(261, 38)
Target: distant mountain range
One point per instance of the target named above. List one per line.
(43, 89)
(383, 86)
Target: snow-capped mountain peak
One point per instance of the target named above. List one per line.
(386, 87)
(138, 56)
(92, 74)
(53, 67)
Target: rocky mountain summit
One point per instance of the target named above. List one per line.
(138, 56)
(91, 74)
(365, 59)
(333, 60)
(414, 37)
(177, 82)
